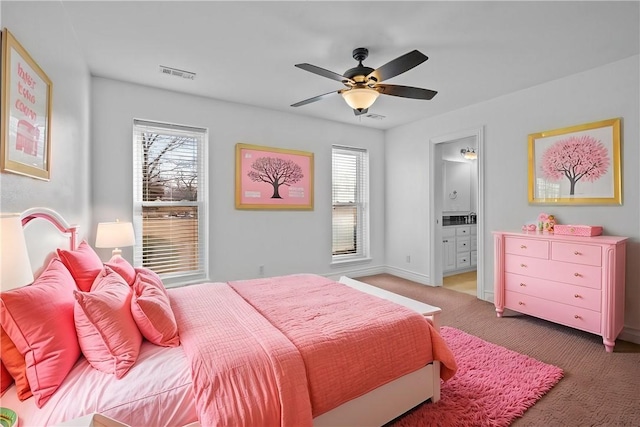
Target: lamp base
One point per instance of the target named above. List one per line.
(115, 252)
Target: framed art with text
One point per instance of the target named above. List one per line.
(25, 140)
(273, 178)
(578, 165)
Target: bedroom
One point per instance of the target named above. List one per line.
(92, 126)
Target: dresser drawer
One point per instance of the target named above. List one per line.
(463, 244)
(577, 253)
(576, 317)
(576, 274)
(463, 231)
(464, 260)
(527, 247)
(533, 267)
(577, 296)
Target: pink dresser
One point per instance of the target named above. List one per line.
(574, 281)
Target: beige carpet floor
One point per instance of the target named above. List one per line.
(598, 389)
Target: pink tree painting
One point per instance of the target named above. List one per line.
(275, 171)
(575, 158)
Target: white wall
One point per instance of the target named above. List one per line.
(240, 240)
(602, 93)
(40, 28)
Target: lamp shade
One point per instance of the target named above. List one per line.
(115, 235)
(15, 267)
(360, 98)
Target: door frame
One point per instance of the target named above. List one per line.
(436, 204)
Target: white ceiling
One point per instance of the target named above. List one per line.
(245, 51)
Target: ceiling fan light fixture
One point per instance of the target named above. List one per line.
(360, 98)
(469, 153)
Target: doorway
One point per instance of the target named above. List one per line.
(438, 146)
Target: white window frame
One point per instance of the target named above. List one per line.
(361, 204)
(202, 202)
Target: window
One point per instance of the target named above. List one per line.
(170, 200)
(350, 177)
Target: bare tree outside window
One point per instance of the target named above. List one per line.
(169, 169)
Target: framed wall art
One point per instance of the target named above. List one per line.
(578, 165)
(25, 140)
(273, 178)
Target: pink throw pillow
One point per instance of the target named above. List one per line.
(153, 277)
(14, 363)
(5, 379)
(39, 320)
(83, 263)
(152, 312)
(123, 268)
(108, 335)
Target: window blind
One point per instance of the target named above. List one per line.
(170, 200)
(350, 197)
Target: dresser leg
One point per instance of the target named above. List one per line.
(499, 312)
(608, 345)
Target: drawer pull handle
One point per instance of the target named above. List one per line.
(577, 253)
(523, 265)
(577, 274)
(522, 284)
(523, 246)
(577, 296)
(520, 303)
(577, 317)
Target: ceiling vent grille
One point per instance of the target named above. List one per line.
(375, 116)
(177, 73)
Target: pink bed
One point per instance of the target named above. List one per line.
(289, 351)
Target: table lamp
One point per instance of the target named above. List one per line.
(115, 235)
(15, 267)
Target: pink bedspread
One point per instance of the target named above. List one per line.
(245, 372)
(351, 342)
(280, 351)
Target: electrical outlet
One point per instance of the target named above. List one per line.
(261, 270)
(408, 259)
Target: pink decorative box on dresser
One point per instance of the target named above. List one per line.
(575, 281)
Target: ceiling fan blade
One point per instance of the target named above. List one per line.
(398, 66)
(405, 91)
(314, 99)
(359, 113)
(324, 73)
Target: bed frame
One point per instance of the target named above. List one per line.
(375, 408)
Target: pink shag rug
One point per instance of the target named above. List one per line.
(493, 386)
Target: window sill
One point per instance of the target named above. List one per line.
(341, 262)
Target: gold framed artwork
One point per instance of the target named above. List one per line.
(577, 165)
(273, 178)
(25, 140)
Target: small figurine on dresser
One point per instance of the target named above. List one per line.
(546, 223)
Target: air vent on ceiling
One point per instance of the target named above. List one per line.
(177, 73)
(375, 116)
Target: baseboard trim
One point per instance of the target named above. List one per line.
(356, 272)
(409, 275)
(630, 334)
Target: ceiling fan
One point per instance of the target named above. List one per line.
(363, 84)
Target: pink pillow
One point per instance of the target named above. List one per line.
(5, 379)
(153, 277)
(108, 335)
(83, 263)
(39, 321)
(14, 363)
(123, 268)
(152, 312)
